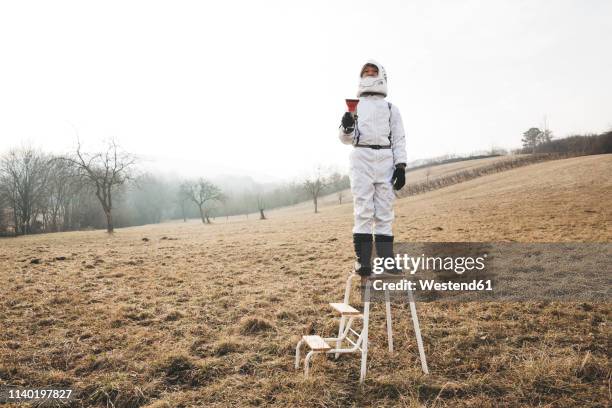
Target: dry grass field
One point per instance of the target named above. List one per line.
(192, 315)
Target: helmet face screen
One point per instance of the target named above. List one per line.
(369, 69)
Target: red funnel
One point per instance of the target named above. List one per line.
(352, 104)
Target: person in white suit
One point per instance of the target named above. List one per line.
(377, 165)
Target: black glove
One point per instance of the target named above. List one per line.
(348, 121)
(399, 177)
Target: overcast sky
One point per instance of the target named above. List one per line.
(203, 88)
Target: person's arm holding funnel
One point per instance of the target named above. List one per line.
(348, 122)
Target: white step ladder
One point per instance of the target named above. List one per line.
(358, 341)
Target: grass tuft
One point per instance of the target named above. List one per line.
(255, 325)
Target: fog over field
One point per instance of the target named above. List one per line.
(245, 88)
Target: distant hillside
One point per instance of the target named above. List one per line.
(423, 163)
(415, 176)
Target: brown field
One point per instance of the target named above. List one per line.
(209, 315)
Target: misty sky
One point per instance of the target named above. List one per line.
(208, 88)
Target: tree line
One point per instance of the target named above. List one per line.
(42, 192)
(542, 141)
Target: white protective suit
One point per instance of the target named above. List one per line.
(371, 170)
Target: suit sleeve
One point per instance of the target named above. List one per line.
(398, 137)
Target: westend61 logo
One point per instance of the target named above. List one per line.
(458, 264)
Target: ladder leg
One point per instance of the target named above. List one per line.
(297, 354)
(307, 363)
(340, 331)
(364, 333)
(347, 289)
(417, 332)
(347, 294)
(389, 321)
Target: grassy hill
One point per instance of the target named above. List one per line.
(418, 175)
(209, 315)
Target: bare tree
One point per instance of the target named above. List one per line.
(63, 187)
(314, 186)
(338, 183)
(183, 197)
(23, 178)
(105, 172)
(260, 206)
(340, 195)
(202, 192)
(6, 217)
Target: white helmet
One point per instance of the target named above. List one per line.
(377, 84)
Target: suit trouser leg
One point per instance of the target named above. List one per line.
(363, 190)
(383, 208)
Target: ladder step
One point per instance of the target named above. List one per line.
(316, 343)
(345, 309)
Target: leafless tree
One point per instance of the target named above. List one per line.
(427, 173)
(340, 195)
(23, 178)
(63, 187)
(183, 198)
(105, 172)
(261, 206)
(6, 218)
(315, 185)
(337, 182)
(203, 193)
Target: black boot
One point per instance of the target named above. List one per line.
(384, 249)
(363, 251)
